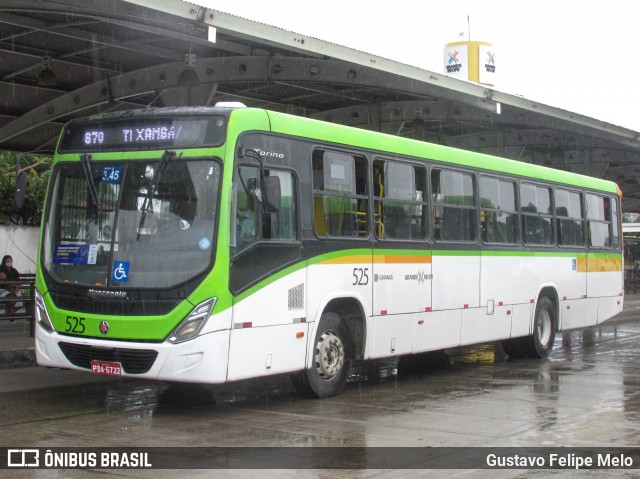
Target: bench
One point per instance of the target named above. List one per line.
(26, 310)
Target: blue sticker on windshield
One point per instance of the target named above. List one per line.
(71, 254)
(204, 244)
(111, 174)
(120, 271)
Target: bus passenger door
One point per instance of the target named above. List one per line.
(401, 296)
(401, 282)
(269, 291)
(456, 259)
(402, 263)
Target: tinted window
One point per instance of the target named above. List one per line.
(340, 194)
(498, 213)
(615, 223)
(253, 221)
(599, 216)
(400, 200)
(455, 217)
(537, 219)
(569, 218)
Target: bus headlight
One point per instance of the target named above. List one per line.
(41, 314)
(192, 324)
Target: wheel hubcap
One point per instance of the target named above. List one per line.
(544, 327)
(329, 355)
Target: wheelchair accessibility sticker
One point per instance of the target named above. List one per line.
(120, 271)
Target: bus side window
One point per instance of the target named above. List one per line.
(282, 223)
(246, 207)
(498, 214)
(399, 203)
(569, 218)
(536, 212)
(454, 203)
(340, 200)
(598, 221)
(615, 222)
(251, 219)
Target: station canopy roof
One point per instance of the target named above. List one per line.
(62, 59)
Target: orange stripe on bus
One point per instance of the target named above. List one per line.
(379, 259)
(387, 259)
(361, 258)
(599, 265)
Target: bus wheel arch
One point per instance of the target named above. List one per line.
(539, 343)
(337, 341)
(352, 314)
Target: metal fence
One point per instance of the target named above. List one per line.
(14, 307)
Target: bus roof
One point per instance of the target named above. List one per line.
(346, 135)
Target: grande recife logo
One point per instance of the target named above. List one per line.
(453, 63)
(490, 65)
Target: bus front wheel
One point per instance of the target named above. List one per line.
(331, 360)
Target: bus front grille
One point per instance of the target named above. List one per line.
(114, 307)
(133, 361)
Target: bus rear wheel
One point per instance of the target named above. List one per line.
(331, 360)
(540, 343)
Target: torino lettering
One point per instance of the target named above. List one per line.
(269, 154)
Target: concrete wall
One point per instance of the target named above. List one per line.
(21, 243)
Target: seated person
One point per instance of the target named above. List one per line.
(9, 273)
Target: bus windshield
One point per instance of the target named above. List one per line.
(147, 224)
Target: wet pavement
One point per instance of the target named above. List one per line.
(586, 394)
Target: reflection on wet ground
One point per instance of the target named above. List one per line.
(586, 394)
(573, 352)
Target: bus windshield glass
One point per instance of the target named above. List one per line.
(150, 225)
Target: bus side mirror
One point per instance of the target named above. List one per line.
(271, 203)
(21, 190)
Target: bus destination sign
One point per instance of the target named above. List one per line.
(138, 133)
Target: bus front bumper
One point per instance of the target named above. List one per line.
(201, 360)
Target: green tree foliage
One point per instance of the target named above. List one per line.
(39, 170)
(630, 218)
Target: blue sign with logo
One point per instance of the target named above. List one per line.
(71, 254)
(120, 272)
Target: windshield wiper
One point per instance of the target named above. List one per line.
(147, 204)
(86, 169)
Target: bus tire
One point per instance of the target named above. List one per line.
(540, 343)
(331, 360)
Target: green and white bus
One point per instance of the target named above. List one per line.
(218, 244)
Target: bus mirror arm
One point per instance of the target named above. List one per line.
(85, 160)
(270, 184)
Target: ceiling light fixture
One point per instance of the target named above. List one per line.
(46, 77)
(189, 77)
